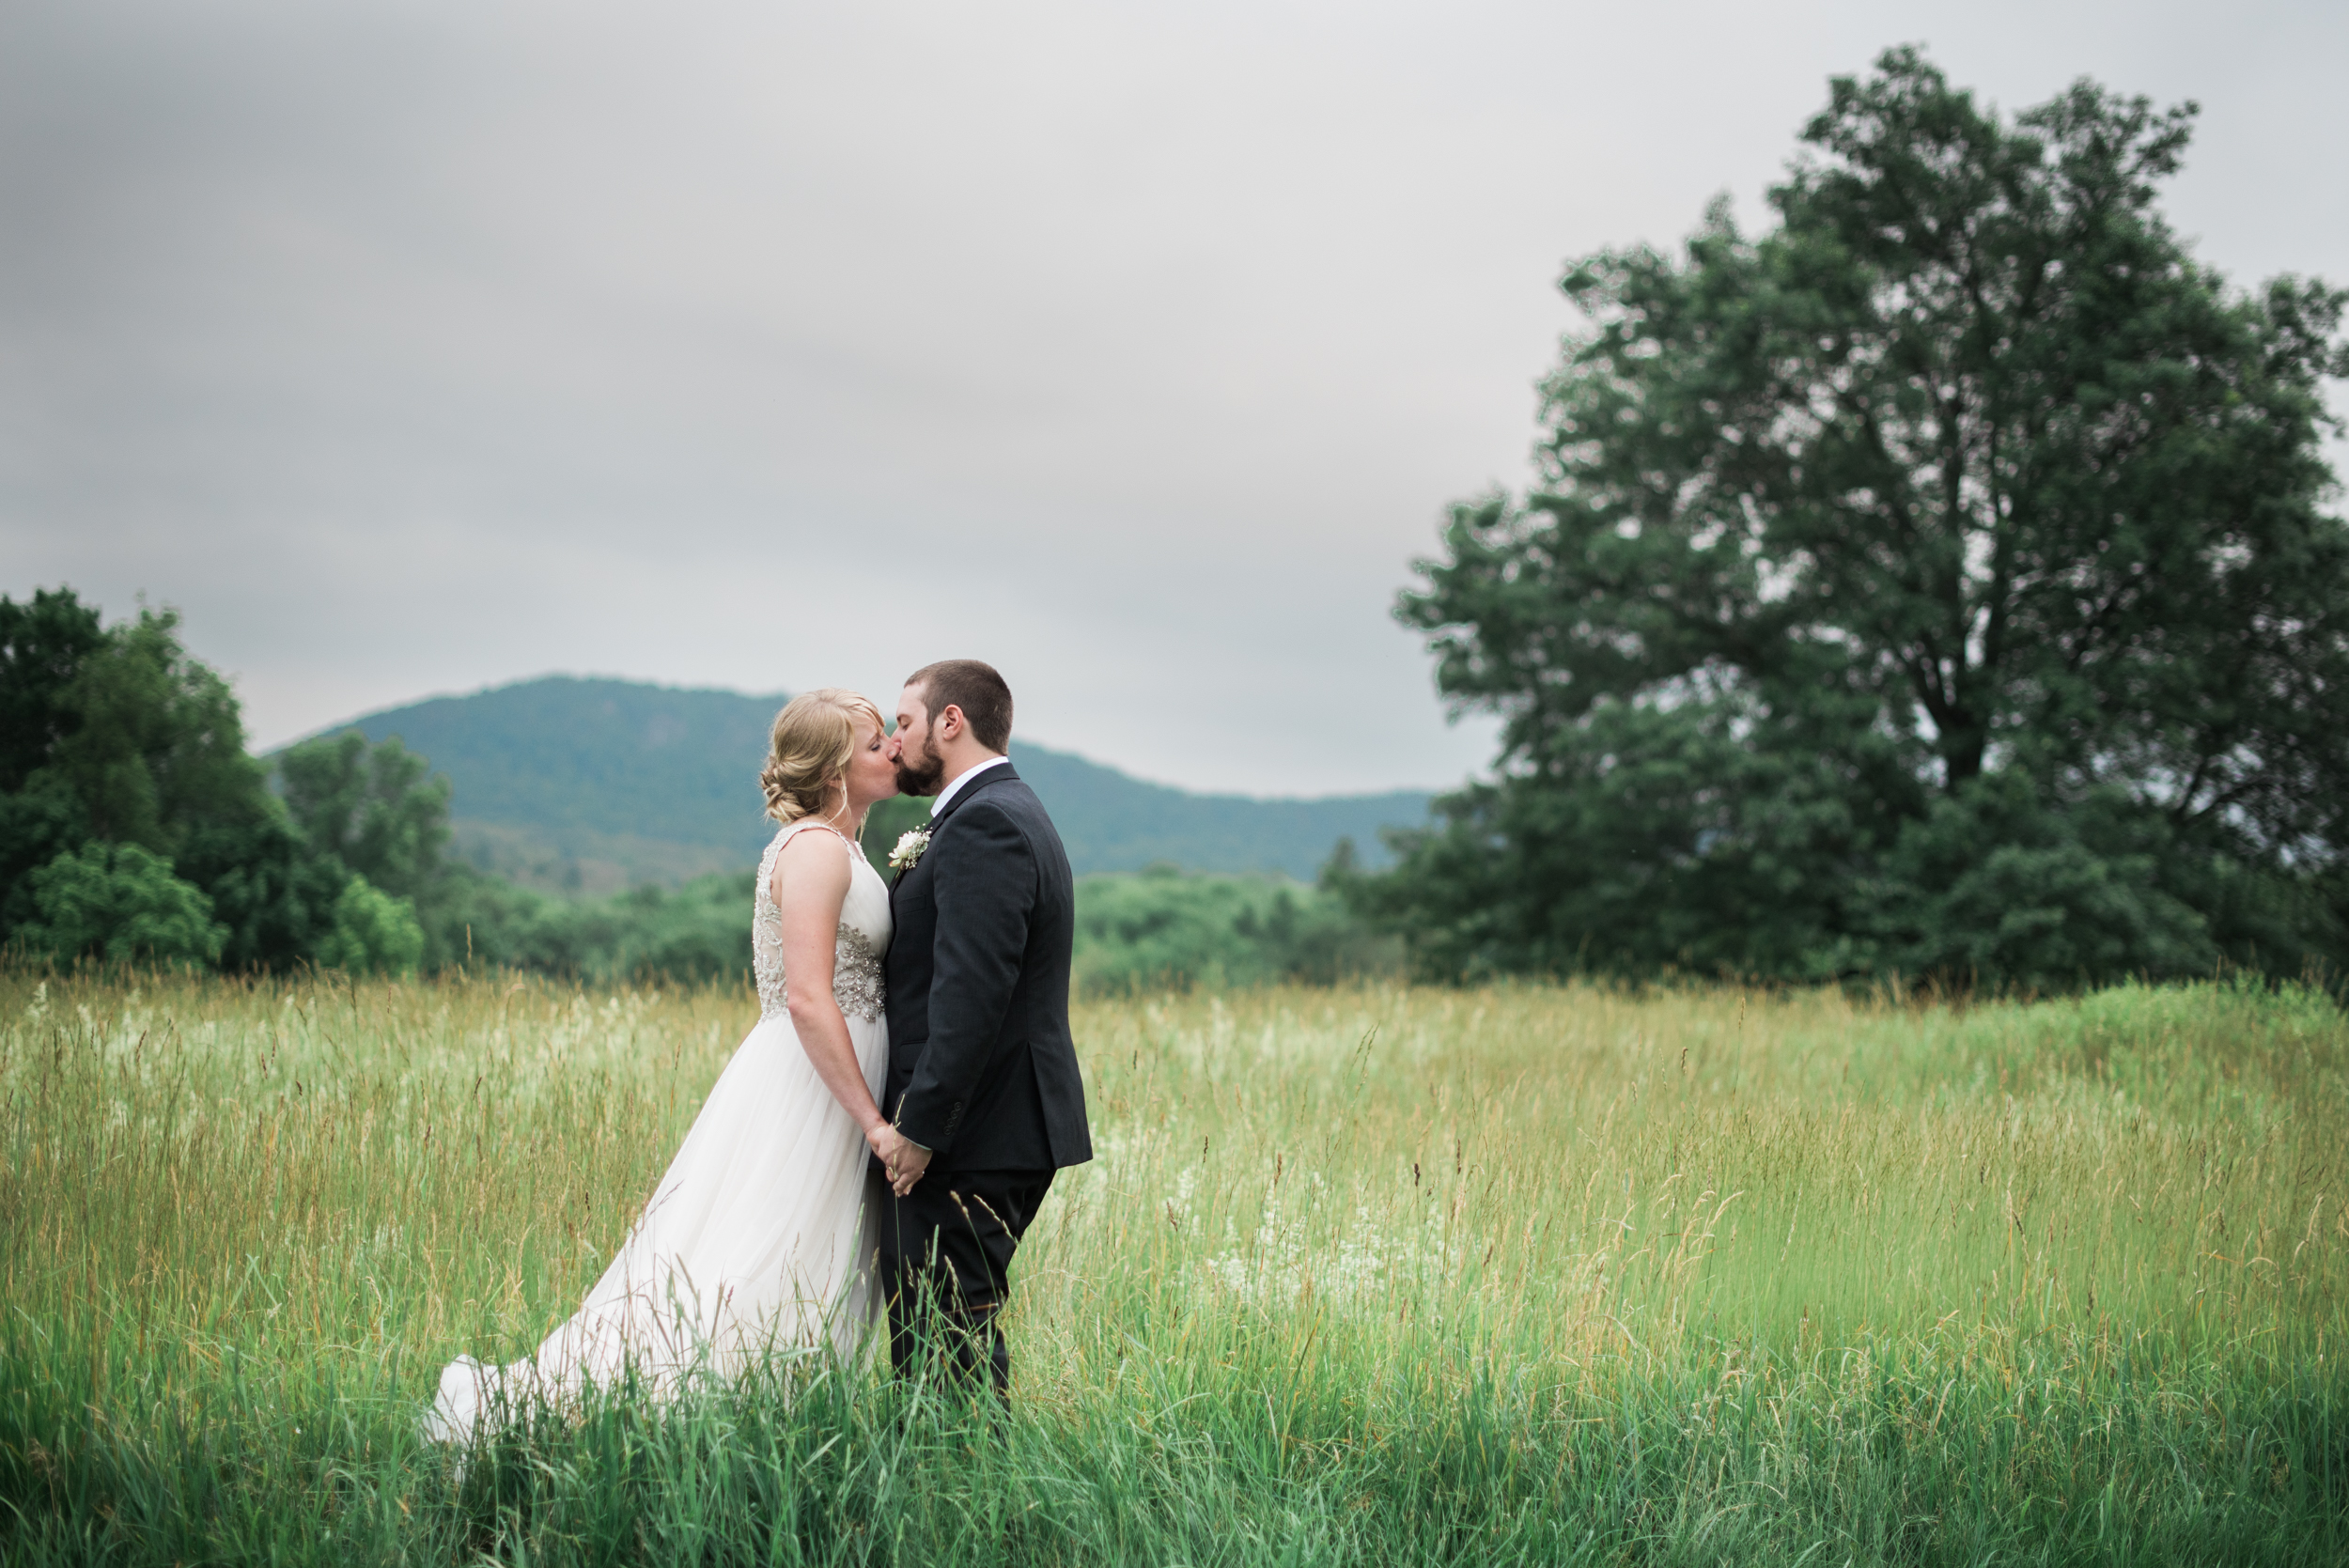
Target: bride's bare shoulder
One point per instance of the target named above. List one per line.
(814, 839)
(819, 869)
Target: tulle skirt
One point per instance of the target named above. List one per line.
(755, 1242)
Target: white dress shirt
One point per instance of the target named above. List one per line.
(961, 779)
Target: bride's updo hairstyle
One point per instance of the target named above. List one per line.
(808, 752)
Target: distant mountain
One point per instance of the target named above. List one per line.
(596, 785)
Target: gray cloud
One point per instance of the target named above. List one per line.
(414, 347)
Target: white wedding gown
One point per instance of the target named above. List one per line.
(756, 1237)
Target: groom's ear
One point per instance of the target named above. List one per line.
(949, 722)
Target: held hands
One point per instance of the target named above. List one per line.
(913, 1161)
(905, 1162)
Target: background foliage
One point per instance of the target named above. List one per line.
(1165, 930)
(135, 828)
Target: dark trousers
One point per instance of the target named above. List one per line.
(945, 1269)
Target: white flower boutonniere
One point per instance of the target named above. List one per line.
(909, 850)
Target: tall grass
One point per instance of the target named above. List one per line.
(1538, 1274)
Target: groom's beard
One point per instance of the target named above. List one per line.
(921, 777)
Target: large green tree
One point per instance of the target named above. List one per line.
(43, 645)
(1937, 581)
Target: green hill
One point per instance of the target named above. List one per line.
(591, 785)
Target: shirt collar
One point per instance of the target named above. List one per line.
(961, 780)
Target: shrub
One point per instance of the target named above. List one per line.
(373, 932)
(117, 901)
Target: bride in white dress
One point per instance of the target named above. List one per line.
(756, 1239)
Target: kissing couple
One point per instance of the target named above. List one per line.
(797, 1212)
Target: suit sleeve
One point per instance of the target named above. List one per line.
(984, 883)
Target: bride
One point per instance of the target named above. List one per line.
(756, 1237)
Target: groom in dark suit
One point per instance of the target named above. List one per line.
(983, 1082)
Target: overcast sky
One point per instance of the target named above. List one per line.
(409, 349)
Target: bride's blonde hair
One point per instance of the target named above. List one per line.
(808, 751)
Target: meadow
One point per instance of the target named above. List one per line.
(1369, 1275)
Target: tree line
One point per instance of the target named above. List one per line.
(135, 827)
(1937, 583)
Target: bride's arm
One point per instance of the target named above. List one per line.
(809, 899)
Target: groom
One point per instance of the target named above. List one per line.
(983, 1079)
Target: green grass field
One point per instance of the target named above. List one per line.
(1518, 1274)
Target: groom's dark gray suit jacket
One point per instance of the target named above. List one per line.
(982, 1068)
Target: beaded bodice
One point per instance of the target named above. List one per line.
(865, 928)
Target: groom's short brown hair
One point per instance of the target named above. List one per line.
(975, 688)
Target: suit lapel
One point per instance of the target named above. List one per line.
(982, 782)
(991, 777)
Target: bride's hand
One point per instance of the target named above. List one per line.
(905, 1161)
(913, 1160)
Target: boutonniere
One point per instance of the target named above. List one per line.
(909, 847)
